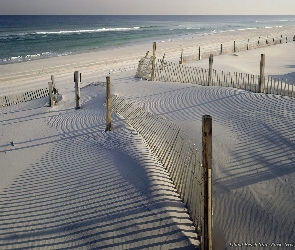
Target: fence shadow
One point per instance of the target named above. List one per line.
(92, 189)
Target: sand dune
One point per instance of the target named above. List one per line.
(66, 183)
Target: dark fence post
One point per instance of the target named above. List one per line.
(108, 104)
(210, 70)
(50, 88)
(207, 165)
(77, 89)
(199, 53)
(154, 61)
(181, 57)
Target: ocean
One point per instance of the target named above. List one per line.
(25, 38)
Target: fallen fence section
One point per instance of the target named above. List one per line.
(172, 72)
(176, 152)
(23, 97)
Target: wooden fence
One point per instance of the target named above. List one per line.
(180, 158)
(172, 72)
(230, 47)
(23, 97)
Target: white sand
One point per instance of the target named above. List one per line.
(67, 183)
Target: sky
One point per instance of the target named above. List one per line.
(147, 7)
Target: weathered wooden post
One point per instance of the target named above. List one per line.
(108, 104)
(199, 53)
(262, 78)
(210, 70)
(52, 79)
(154, 61)
(234, 46)
(50, 87)
(207, 165)
(181, 57)
(77, 89)
(221, 49)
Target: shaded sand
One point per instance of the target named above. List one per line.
(65, 183)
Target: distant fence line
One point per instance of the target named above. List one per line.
(176, 152)
(172, 72)
(230, 47)
(9, 100)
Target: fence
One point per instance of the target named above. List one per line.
(180, 158)
(23, 97)
(230, 47)
(172, 72)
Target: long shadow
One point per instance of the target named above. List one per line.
(93, 190)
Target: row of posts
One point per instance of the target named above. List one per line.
(77, 80)
(221, 49)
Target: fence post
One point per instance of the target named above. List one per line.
(50, 86)
(207, 165)
(221, 49)
(199, 53)
(210, 70)
(108, 104)
(262, 78)
(77, 89)
(181, 57)
(154, 61)
(234, 46)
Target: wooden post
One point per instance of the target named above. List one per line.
(77, 89)
(262, 77)
(154, 61)
(199, 53)
(50, 94)
(210, 70)
(108, 104)
(181, 57)
(234, 46)
(221, 49)
(207, 165)
(52, 79)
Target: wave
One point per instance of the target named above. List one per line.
(84, 31)
(14, 59)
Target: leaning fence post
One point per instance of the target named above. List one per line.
(77, 89)
(262, 78)
(210, 70)
(154, 61)
(50, 94)
(108, 104)
(207, 165)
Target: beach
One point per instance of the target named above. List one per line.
(66, 183)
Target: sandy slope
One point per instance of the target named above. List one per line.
(253, 154)
(66, 183)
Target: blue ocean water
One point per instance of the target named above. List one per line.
(32, 37)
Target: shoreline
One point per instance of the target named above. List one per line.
(94, 66)
(165, 39)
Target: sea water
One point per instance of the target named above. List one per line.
(25, 38)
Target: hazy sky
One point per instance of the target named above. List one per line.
(181, 7)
